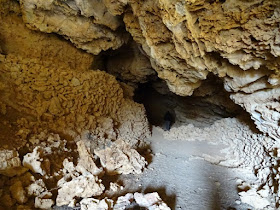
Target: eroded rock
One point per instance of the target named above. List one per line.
(10, 164)
(91, 203)
(43, 203)
(33, 161)
(79, 181)
(18, 192)
(87, 24)
(120, 158)
(83, 186)
(150, 201)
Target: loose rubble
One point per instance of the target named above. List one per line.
(151, 201)
(10, 164)
(120, 158)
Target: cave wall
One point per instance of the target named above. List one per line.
(184, 40)
(51, 50)
(48, 78)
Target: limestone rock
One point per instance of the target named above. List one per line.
(43, 203)
(79, 181)
(134, 126)
(120, 158)
(71, 109)
(33, 161)
(130, 64)
(151, 201)
(193, 42)
(18, 192)
(42, 196)
(33, 44)
(7, 200)
(91, 203)
(238, 44)
(10, 164)
(264, 107)
(24, 207)
(83, 186)
(115, 187)
(86, 160)
(88, 24)
(38, 189)
(255, 199)
(73, 97)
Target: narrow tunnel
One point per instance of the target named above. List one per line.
(202, 110)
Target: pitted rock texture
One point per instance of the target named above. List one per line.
(59, 95)
(184, 40)
(53, 81)
(87, 24)
(151, 201)
(187, 40)
(17, 39)
(10, 163)
(264, 108)
(119, 158)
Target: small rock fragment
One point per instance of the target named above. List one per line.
(151, 201)
(10, 164)
(83, 186)
(33, 161)
(120, 158)
(43, 203)
(86, 160)
(91, 203)
(7, 200)
(18, 192)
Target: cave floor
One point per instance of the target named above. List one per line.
(185, 180)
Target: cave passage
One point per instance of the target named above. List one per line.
(199, 110)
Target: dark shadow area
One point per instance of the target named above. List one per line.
(207, 105)
(107, 179)
(146, 152)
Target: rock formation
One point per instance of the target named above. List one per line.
(184, 41)
(50, 73)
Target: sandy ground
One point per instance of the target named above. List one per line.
(185, 180)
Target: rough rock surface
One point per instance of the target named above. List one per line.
(86, 162)
(18, 40)
(18, 192)
(88, 24)
(33, 161)
(193, 41)
(43, 203)
(240, 44)
(184, 41)
(83, 186)
(264, 107)
(245, 148)
(150, 201)
(130, 64)
(91, 203)
(79, 181)
(10, 164)
(119, 158)
(59, 90)
(47, 155)
(46, 77)
(42, 196)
